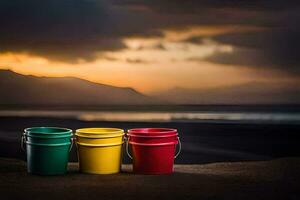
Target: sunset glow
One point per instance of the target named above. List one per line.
(139, 46)
(148, 64)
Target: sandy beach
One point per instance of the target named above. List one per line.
(275, 179)
(218, 161)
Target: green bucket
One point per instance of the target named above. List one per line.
(47, 149)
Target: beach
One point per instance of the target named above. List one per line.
(274, 179)
(219, 160)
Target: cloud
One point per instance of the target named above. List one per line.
(277, 48)
(157, 46)
(68, 31)
(194, 40)
(136, 61)
(274, 47)
(57, 29)
(240, 56)
(71, 31)
(192, 6)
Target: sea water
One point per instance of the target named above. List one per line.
(163, 116)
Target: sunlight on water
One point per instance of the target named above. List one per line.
(160, 116)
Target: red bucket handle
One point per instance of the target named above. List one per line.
(127, 148)
(179, 150)
(129, 155)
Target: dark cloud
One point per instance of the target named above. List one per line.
(192, 6)
(275, 47)
(58, 29)
(136, 61)
(278, 49)
(158, 46)
(69, 30)
(194, 40)
(240, 56)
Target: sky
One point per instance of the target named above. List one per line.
(153, 45)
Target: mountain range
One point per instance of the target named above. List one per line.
(18, 89)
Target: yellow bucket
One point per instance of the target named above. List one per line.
(99, 150)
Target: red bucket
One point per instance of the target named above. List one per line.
(153, 149)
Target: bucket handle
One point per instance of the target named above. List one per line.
(179, 150)
(127, 148)
(23, 140)
(129, 155)
(72, 142)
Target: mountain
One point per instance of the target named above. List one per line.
(248, 93)
(17, 89)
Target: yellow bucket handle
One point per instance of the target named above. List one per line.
(129, 155)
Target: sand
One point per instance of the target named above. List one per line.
(215, 143)
(274, 179)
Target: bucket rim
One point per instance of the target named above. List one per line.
(152, 131)
(154, 144)
(98, 131)
(151, 136)
(59, 130)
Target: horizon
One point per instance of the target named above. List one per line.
(68, 88)
(149, 94)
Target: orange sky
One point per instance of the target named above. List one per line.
(148, 69)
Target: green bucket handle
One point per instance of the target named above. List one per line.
(72, 142)
(130, 156)
(23, 140)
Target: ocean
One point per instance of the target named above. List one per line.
(163, 116)
(208, 133)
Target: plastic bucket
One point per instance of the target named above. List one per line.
(153, 149)
(99, 150)
(47, 149)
